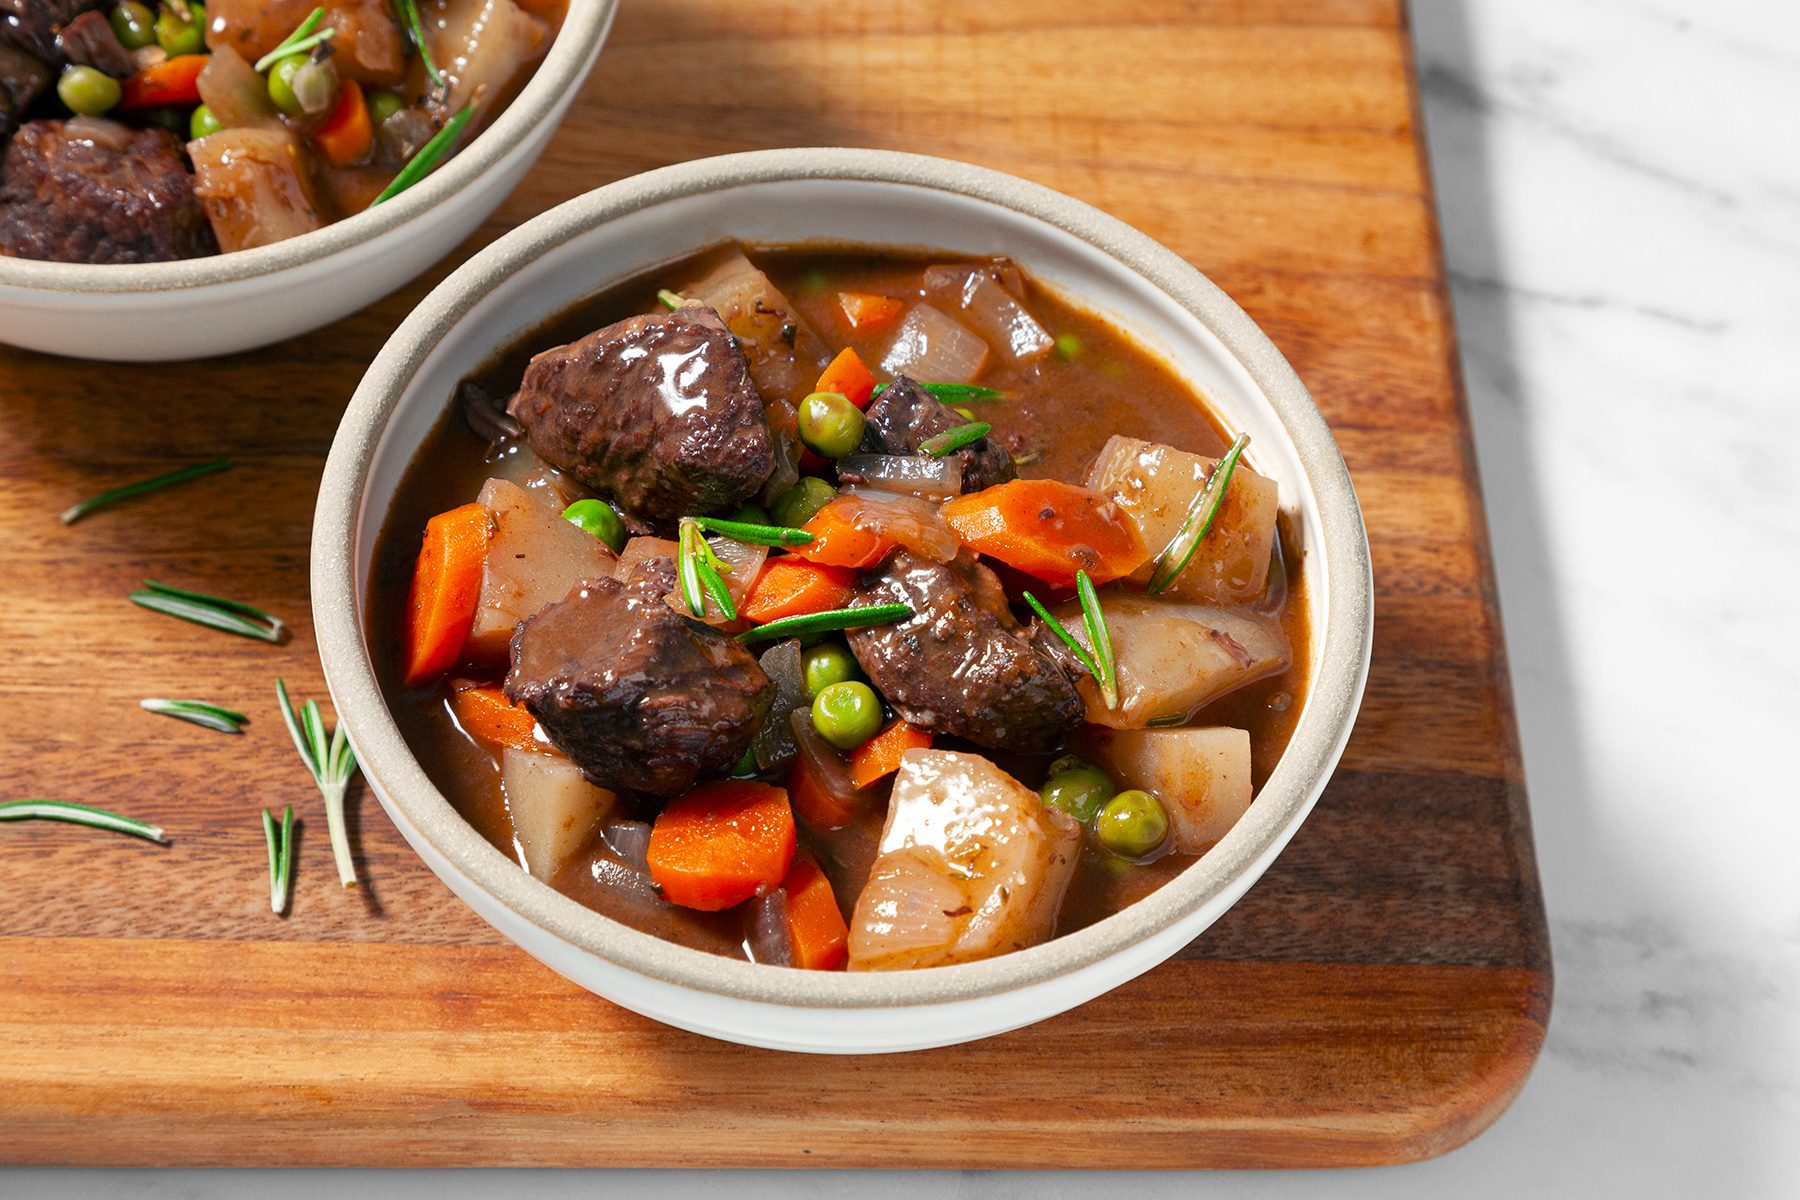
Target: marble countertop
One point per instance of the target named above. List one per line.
(1620, 196)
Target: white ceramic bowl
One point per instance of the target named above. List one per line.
(879, 198)
(203, 307)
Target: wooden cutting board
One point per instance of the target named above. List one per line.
(1380, 995)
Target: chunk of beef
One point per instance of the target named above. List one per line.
(93, 191)
(90, 41)
(656, 411)
(32, 25)
(905, 414)
(643, 699)
(960, 664)
(23, 78)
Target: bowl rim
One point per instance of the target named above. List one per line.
(563, 69)
(1252, 843)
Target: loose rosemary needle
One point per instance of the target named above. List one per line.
(332, 764)
(215, 612)
(197, 712)
(75, 512)
(281, 858)
(80, 814)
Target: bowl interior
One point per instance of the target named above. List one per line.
(596, 241)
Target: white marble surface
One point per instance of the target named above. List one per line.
(1620, 187)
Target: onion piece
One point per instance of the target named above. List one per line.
(630, 840)
(236, 94)
(828, 766)
(918, 474)
(1002, 320)
(775, 745)
(931, 345)
(768, 941)
(910, 521)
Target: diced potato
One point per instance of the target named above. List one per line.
(480, 45)
(534, 559)
(1157, 484)
(972, 865)
(553, 807)
(745, 561)
(1201, 775)
(1174, 658)
(252, 185)
(935, 348)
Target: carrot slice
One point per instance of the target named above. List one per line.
(346, 135)
(879, 757)
(486, 715)
(814, 801)
(173, 82)
(869, 313)
(722, 843)
(446, 585)
(849, 378)
(793, 587)
(817, 935)
(838, 543)
(1049, 530)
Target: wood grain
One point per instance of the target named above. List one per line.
(1380, 995)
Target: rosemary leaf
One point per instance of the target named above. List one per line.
(755, 535)
(292, 47)
(838, 618)
(1055, 626)
(281, 858)
(75, 512)
(670, 299)
(197, 712)
(688, 567)
(952, 440)
(409, 13)
(954, 393)
(421, 164)
(331, 763)
(1099, 639)
(217, 612)
(1199, 520)
(79, 814)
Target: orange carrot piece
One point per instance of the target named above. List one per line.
(1049, 530)
(722, 843)
(445, 588)
(879, 757)
(346, 136)
(486, 715)
(838, 543)
(814, 802)
(849, 378)
(869, 313)
(173, 82)
(817, 935)
(793, 587)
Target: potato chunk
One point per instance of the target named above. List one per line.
(1157, 484)
(552, 806)
(972, 865)
(534, 559)
(480, 45)
(1201, 775)
(253, 186)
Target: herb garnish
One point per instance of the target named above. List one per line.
(198, 712)
(409, 12)
(670, 299)
(420, 164)
(281, 858)
(756, 535)
(79, 814)
(331, 763)
(960, 393)
(699, 568)
(75, 512)
(1204, 509)
(216, 612)
(838, 618)
(1097, 655)
(298, 42)
(952, 440)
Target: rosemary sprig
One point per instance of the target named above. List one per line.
(699, 569)
(670, 299)
(216, 612)
(1097, 655)
(79, 814)
(281, 858)
(331, 763)
(838, 618)
(298, 42)
(415, 28)
(954, 393)
(756, 535)
(1204, 510)
(421, 164)
(75, 512)
(952, 440)
(198, 712)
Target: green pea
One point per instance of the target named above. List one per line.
(747, 764)
(133, 24)
(384, 103)
(1132, 824)
(598, 518)
(826, 664)
(1068, 345)
(751, 514)
(802, 502)
(182, 37)
(847, 714)
(281, 84)
(87, 91)
(830, 424)
(1080, 792)
(203, 124)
